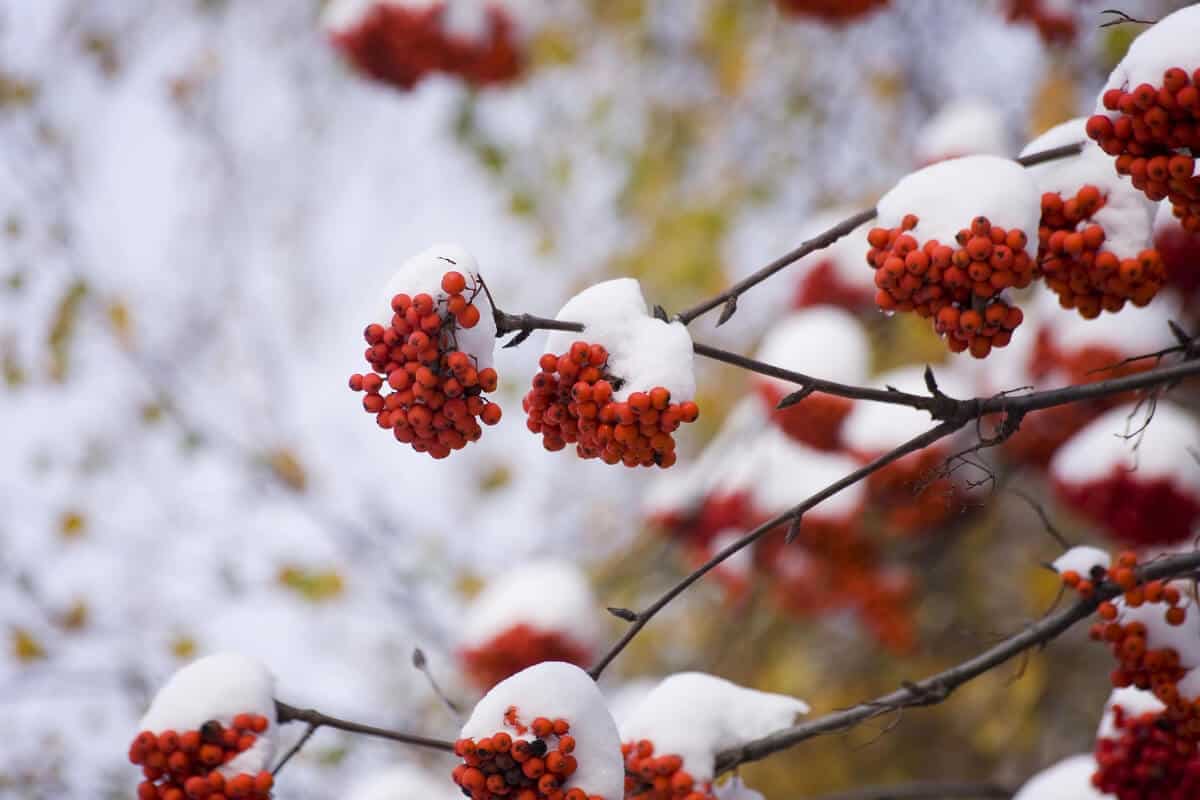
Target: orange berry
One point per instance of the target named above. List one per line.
(453, 282)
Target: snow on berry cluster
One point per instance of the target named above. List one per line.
(1138, 482)
(823, 342)
(209, 733)
(542, 734)
(1054, 19)
(621, 388)
(672, 738)
(926, 262)
(1148, 113)
(1094, 241)
(830, 10)
(538, 611)
(401, 42)
(434, 355)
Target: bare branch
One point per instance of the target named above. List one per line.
(303, 740)
(939, 687)
(287, 713)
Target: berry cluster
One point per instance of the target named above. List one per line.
(498, 766)
(400, 44)
(815, 421)
(1052, 25)
(572, 402)
(651, 777)
(1154, 130)
(183, 765)
(515, 649)
(1148, 758)
(958, 287)
(830, 10)
(436, 402)
(1083, 276)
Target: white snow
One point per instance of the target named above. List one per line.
(961, 128)
(1133, 332)
(1127, 215)
(875, 428)
(823, 342)
(554, 689)
(736, 789)
(218, 687)
(550, 596)
(695, 716)
(423, 273)
(947, 195)
(1069, 779)
(1171, 42)
(786, 472)
(1166, 448)
(644, 351)
(1184, 639)
(1133, 701)
(1081, 559)
(405, 782)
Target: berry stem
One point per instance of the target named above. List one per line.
(938, 687)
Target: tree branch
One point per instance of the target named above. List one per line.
(642, 618)
(927, 790)
(287, 713)
(939, 687)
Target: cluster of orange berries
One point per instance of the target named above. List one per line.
(1148, 759)
(957, 287)
(651, 777)
(815, 421)
(910, 500)
(571, 402)
(499, 766)
(1083, 276)
(436, 400)
(183, 765)
(517, 648)
(830, 10)
(1155, 129)
(400, 45)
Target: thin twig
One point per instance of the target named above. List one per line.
(641, 619)
(937, 688)
(1038, 509)
(927, 790)
(312, 728)
(1122, 18)
(288, 713)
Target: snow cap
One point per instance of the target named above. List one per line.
(1171, 42)
(822, 341)
(555, 689)
(695, 716)
(1069, 779)
(218, 687)
(1081, 559)
(519, 595)
(946, 196)
(643, 351)
(1133, 701)
(961, 128)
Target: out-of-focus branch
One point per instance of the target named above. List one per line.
(937, 688)
(927, 790)
(792, 515)
(315, 719)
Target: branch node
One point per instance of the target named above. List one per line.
(795, 397)
(729, 309)
(623, 613)
(793, 530)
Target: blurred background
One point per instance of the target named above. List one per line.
(200, 202)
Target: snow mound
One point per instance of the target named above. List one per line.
(555, 689)
(1133, 701)
(695, 716)
(218, 687)
(822, 342)
(875, 428)
(1171, 42)
(946, 196)
(1164, 449)
(962, 128)
(1069, 779)
(781, 472)
(423, 273)
(735, 789)
(520, 595)
(1127, 215)
(643, 351)
(1133, 332)
(404, 782)
(1081, 560)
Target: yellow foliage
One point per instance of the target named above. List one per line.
(1056, 100)
(316, 586)
(72, 524)
(24, 645)
(288, 470)
(183, 647)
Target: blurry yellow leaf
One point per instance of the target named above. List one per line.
(468, 584)
(12, 226)
(151, 413)
(1055, 100)
(122, 325)
(552, 47)
(25, 648)
(495, 478)
(62, 328)
(102, 48)
(14, 373)
(887, 85)
(72, 524)
(16, 92)
(183, 647)
(74, 618)
(313, 585)
(288, 469)
(618, 13)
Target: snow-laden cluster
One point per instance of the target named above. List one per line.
(1170, 42)
(1081, 560)
(695, 716)
(946, 196)
(963, 128)
(643, 352)
(218, 687)
(556, 690)
(540, 610)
